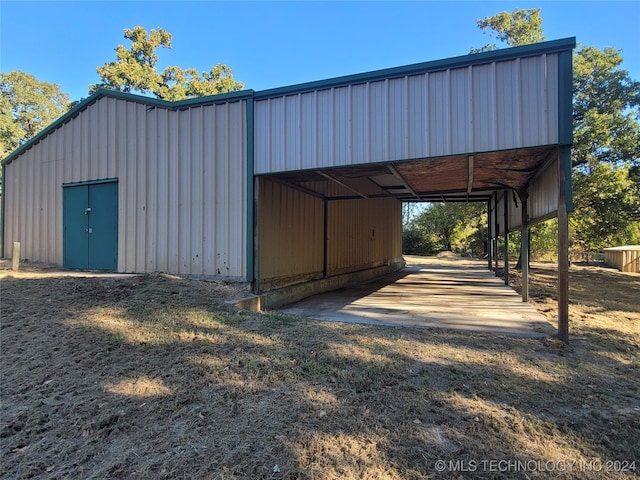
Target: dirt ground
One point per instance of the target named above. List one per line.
(155, 377)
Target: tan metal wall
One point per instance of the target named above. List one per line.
(291, 235)
(363, 234)
(196, 216)
(360, 234)
(499, 211)
(542, 202)
(543, 194)
(182, 185)
(494, 106)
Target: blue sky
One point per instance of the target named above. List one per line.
(273, 44)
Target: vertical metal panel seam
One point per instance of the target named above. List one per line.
(200, 135)
(179, 162)
(406, 117)
(227, 160)
(152, 193)
(351, 160)
(470, 138)
(494, 107)
(332, 128)
(367, 112)
(32, 237)
(197, 149)
(252, 201)
(314, 129)
(174, 168)
(112, 115)
(268, 146)
(29, 235)
(448, 111)
(283, 135)
(427, 121)
(544, 95)
(142, 172)
(213, 244)
(300, 134)
(518, 103)
(387, 112)
(185, 150)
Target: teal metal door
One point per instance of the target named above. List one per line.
(75, 245)
(90, 226)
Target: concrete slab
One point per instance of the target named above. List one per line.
(460, 295)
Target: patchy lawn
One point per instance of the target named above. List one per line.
(154, 377)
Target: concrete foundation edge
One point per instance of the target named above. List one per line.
(294, 293)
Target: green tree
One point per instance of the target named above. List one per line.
(607, 206)
(27, 105)
(520, 27)
(136, 70)
(451, 226)
(605, 109)
(417, 242)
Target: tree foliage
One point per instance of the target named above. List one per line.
(446, 226)
(607, 203)
(27, 105)
(136, 70)
(520, 27)
(606, 109)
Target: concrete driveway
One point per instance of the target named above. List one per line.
(440, 293)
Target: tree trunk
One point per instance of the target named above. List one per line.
(519, 264)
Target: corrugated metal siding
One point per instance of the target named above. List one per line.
(182, 185)
(360, 234)
(363, 234)
(500, 210)
(542, 202)
(543, 194)
(291, 235)
(497, 106)
(515, 210)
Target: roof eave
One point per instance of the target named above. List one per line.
(425, 67)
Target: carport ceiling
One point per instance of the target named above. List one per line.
(452, 178)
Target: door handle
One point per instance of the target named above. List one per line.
(87, 210)
(88, 230)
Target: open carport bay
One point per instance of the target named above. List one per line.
(438, 292)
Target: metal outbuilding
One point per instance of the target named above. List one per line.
(625, 258)
(299, 185)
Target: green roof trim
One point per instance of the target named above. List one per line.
(554, 46)
(565, 98)
(130, 97)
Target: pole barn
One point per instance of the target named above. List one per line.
(298, 189)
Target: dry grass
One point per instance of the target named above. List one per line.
(153, 377)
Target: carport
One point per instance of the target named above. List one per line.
(335, 159)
